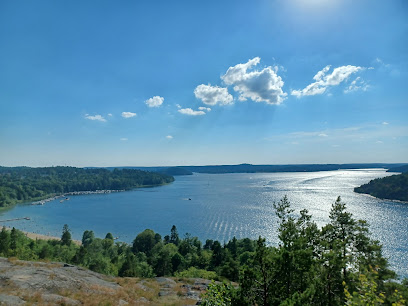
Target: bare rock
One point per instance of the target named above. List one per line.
(10, 300)
(58, 299)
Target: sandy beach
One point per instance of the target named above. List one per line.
(43, 237)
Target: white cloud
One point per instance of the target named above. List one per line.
(357, 84)
(128, 115)
(178, 106)
(321, 73)
(110, 115)
(95, 118)
(324, 80)
(385, 123)
(169, 137)
(156, 101)
(211, 95)
(190, 112)
(258, 85)
(202, 108)
(323, 135)
(123, 139)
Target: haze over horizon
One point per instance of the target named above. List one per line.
(213, 83)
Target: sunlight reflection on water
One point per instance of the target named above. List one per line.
(223, 206)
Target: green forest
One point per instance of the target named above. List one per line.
(337, 264)
(394, 187)
(22, 184)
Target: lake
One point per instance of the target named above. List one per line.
(220, 206)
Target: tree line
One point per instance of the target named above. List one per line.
(21, 184)
(334, 265)
(394, 187)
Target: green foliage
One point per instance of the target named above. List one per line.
(22, 184)
(218, 295)
(393, 187)
(367, 293)
(144, 242)
(193, 272)
(66, 236)
(334, 265)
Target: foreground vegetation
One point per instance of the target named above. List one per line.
(394, 187)
(333, 265)
(21, 184)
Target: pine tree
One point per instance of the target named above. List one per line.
(66, 236)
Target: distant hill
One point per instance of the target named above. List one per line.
(402, 169)
(393, 187)
(174, 171)
(249, 168)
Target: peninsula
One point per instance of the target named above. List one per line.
(23, 184)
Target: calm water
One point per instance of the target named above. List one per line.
(223, 206)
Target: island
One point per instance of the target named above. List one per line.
(24, 184)
(394, 187)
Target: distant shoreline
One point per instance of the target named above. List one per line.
(55, 197)
(35, 236)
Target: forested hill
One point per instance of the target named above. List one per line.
(403, 168)
(19, 184)
(393, 187)
(249, 168)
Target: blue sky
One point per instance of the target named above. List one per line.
(146, 83)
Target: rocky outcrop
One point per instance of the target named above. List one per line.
(40, 283)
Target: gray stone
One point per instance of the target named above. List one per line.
(10, 300)
(58, 299)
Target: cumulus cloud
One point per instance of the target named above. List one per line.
(357, 84)
(258, 85)
(324, 80)
(202, 108)
(128, 115)
(123, 139)
(95, 118)
(156, 101)
(212, 95)
(169, 137)
(385, 123)
(178, 106)
(190, 112)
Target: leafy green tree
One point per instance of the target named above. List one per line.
(217, 255)
(87, 238)
(4, 241)
(258, 277)
(66, 236)
(109, 236)
(132, 267)
(174, 236)
(13, 239)
(163, 259)
(81, 256)
(218, 295)
(144, 242)
(367, 293)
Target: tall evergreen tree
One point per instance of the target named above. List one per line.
(66, 236)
